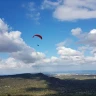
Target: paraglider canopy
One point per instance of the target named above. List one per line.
(37, 36)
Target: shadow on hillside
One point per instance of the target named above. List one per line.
(36, 89)
(66, 87)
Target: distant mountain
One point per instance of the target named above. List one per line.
(50, 74)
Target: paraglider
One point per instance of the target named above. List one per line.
(39, 36)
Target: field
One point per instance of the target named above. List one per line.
(43, 85)
(78, 77)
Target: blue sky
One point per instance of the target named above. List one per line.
(68, 29)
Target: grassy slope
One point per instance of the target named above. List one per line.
(42, 85)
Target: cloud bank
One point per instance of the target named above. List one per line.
(22, 56)
(66, 10)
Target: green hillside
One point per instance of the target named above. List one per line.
(43, 85)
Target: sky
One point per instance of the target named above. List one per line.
(68, 29)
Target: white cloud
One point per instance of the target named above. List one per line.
(12, 43)
(66, 10)
(28, 56)
(76, 31)
(23, 56)
(61, 43)
(66, 42)
(68, 51)
(88, 38)
(33, 11)
(3, 26)
(90, 60)
(93, 31)
(48, 4)
(84, 49)
(10, 63)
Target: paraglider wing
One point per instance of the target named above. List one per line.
(38, 36)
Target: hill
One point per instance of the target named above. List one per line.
(43, 85)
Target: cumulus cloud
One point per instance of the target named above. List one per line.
(68, 51)
(3, 26)
(88, 38)
(10, 63)
(66, 10)
(70, 56)
(28, 56)
(84, 49)
(76, 32)
(12, 43)
(85, 54)
(24, 57)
